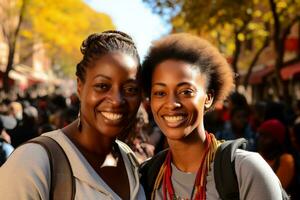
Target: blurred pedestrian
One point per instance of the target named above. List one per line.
(238, 125)
(271, 137)
(6, 123)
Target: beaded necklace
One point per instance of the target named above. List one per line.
(198, 192)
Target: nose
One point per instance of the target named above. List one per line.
(173, 102)
(116, 97)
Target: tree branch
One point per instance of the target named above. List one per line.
(298, 50)
(255, 59)
(276, 32)
(287, 30)
(21, 16)
(236, 53)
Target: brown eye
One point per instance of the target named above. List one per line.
(187, 92)
(158, 93)
(101, 86)
(131, 90)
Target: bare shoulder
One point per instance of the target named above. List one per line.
(287, 158)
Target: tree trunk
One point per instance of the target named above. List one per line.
(298, 49)
(279, 36)
(12, 42)
(254, 61)
(281, 92)
(235, 58)
(9, 66)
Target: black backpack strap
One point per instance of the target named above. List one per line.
(62, 181)
(149, 171)
(224, 169)
(3, 156)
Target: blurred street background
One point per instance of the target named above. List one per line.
(39, 50)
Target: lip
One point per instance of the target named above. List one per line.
(112, 117)
(174, 120)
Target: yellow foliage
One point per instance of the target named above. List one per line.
(267, 16)
(214, 33)
(238, 22)
(241, 37)
(257, 13)
(282, 4)
(212, 20)
(231, 48)
(252, 26)
(63, 25)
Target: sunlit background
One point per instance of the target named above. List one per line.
(40, 40)
(39, 50)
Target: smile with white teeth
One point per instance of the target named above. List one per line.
(173, 119)
(111, 116)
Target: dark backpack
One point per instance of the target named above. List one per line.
(224, 170)
(62, 182)
(3, 155)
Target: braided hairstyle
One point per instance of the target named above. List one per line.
(99, 44)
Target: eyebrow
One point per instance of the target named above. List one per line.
(103, 76)
(159, 84)
(109, 78)
(178, 85)
(183, 83)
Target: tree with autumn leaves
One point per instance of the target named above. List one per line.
(60, 25)
(242, 29)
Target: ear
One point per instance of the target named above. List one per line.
(79, 87)
(209, 100)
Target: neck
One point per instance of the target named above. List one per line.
(93, 143)
(187, 153)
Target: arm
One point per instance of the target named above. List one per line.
(286, 170)
(26, 174)
(256, 179)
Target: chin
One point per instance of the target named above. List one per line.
(110, 132)
(174, 134)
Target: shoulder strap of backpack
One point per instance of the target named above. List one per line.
(3, 156)
(224, 169)
(62, 182)
(129, 153)
(149, 171)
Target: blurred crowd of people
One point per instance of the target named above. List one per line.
(271, 128)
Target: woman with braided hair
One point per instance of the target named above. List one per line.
(184, 76)
(103, 167)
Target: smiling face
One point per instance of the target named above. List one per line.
(109, 95)
(178, 98)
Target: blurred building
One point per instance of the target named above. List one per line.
(31, 63)
(23, 74)
(263, 74)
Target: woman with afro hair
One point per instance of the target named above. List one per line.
(184, 77)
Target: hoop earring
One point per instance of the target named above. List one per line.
(79, 125)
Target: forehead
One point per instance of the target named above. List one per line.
(113, 65)
(176, 70)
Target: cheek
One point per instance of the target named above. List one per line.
(199, 102)
(91, 99)
(154, 106)
(134, 103)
